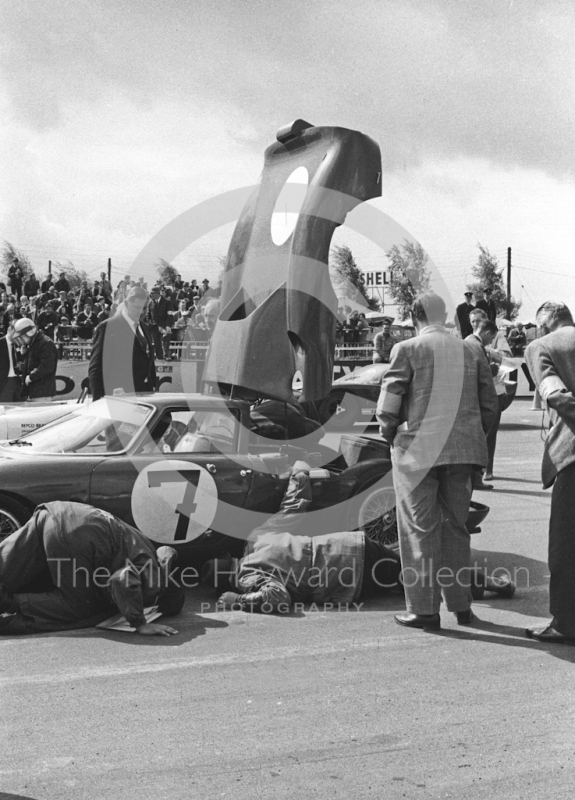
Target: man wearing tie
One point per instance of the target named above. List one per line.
(122, 350)
(10, 382)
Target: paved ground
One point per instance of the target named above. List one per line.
(319, 704)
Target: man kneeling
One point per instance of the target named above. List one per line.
(94, 565)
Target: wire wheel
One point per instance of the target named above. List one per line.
(377, 517)
(8, 524)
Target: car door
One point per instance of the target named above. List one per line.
(174, 492)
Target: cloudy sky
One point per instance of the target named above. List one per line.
(118, 116)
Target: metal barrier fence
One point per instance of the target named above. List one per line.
(196, 351)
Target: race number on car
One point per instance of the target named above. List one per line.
(174, 502)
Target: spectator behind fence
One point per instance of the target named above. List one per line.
(518, 340)
(48, 320)
(383, 343)
(123, 351)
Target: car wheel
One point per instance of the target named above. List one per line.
(12, 516)
(375, 514)
(339, 411)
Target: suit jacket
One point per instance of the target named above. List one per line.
(489, 307)
(462, 312)
(119, 360)
(160, 312)
(551, 362)
(437, 401)
(40, 362)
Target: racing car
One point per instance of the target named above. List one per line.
(189, 471)
(353, 397)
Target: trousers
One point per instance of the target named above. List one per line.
(435, 546)
(562, 552)
(37, 554)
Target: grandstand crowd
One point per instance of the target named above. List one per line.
(175, 312)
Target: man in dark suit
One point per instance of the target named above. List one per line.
(160, 317)
(462, 313)
(10, 382)
(551, 362)
(122, 350)
(485, 303)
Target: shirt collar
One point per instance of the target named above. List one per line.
(133, 325)
(432, 328)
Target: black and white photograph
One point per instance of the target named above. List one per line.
(287, 399)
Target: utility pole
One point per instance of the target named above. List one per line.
(508, 279)
(50, 268)
(110, 270)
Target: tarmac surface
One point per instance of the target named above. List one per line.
(317, 704)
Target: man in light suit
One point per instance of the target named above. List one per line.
(437, 402)
(122, 350)
(10, 381)
(551, 362)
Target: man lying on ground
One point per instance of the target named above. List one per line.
(282, 565)
(94, 565)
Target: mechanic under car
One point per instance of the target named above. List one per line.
(281, 564)
(95, 565)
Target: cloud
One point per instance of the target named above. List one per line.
(440, 79)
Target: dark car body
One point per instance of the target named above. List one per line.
(201, 489)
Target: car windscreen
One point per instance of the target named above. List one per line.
(107, 426)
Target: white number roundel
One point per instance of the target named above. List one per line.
(174, 502)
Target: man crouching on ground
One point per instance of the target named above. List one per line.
(94, 565)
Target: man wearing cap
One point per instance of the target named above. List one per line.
(383, 342)
(72, 566)
(462, 313)
(40, 360)
(122, 350)
(206, 291)
(485, 303)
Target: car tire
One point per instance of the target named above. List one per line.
(375, 514)
(339, 411)
(12, 516)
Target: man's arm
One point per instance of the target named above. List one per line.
(488, 402)
(551, 387)
(394, 386)
(126, 590)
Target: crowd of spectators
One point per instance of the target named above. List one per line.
(70, 315)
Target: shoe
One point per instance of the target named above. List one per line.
(465, 617)
(488, 476)
(483, 487)
(547, 635)
(419, 620)
(504, 587)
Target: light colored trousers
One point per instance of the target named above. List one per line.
(432, 508)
